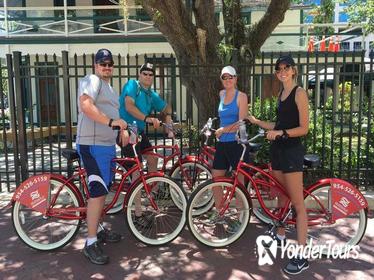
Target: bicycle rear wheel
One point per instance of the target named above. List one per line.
(342, 233)
(43, 232)
(193, 175)
(164, 224)
(222, 230)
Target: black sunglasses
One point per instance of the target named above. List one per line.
(148, 74)
(228, 77)
(279, 69)
(106, 64)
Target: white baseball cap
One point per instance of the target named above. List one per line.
(228, 70)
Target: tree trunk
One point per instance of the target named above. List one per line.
(195, 43)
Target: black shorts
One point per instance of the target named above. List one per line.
(128, 151)
(228, 155)
(287, 159)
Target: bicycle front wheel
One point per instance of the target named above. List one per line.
(219, 230)
(44, 232)
(341, 233)
(160, 225)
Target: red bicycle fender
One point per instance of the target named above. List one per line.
(33, 192)
(346, 198)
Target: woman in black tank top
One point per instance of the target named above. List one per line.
(287, 151)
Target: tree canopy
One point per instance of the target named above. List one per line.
(192, 31)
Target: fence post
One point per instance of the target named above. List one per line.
(65, 73)
(22, 137)
(68, 130)
(13, 115)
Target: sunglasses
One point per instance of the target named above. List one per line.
(285, 68)
(228, 77)
(106, 64)
(147, 74)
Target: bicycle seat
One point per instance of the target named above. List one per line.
(69, 154)
(254, 147)
(312, 161)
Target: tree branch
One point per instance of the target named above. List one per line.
(171, 18)
(274, 15)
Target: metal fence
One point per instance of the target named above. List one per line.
(39, 107)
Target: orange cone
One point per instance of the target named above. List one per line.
(322, 46)
(311, 44)
(331, 44)
(337, 44)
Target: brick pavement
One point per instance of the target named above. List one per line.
(184, 258)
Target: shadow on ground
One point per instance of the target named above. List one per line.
(184, 258)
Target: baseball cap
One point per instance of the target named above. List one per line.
(228, 70)
(286, 59)
(103, 55)
(147, 67)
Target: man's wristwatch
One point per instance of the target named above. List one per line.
(285, 135)
(110, 123)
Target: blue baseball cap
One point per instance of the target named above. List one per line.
(103, 55)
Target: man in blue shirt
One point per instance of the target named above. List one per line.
(137, 101)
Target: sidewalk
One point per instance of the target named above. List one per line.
(183, 259)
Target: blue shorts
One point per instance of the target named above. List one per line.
(97, 160)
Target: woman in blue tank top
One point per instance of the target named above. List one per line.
(233, 107)
(287, 153)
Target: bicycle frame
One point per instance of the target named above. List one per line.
(345, 198)
(39, 186)
(204, 158)
(267, 180)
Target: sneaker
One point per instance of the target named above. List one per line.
(143, 221)
(95, 254)
(296, 266)
(108, 236)
(233, 226)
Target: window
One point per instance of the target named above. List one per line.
(371, 45)
(246, 17)
(60, 3)
(345, 46)
(357, 46)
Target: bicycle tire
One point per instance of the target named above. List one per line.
(344, 232)
(165, 224)
(217, 235)
(45, 233)
(192, 168)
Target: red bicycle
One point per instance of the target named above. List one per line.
(48, 209)
(336, 210)
(187, 170)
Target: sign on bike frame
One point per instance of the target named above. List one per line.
(346, 199)
(33, 192)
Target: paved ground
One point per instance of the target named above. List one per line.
(182, 259)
